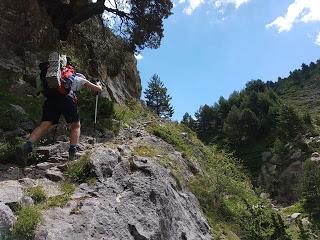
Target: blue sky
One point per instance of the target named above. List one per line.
(213, 47)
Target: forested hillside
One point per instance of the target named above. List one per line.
(272, 128)
(262, 115)
(301, 88)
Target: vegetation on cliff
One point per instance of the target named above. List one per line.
(137, 22)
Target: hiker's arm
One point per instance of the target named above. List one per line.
(95, 87)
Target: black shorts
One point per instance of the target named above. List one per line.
(53, 108)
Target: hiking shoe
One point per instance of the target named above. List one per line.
(74, 152)
(22, 154)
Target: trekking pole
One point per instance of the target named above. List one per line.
(95, 117)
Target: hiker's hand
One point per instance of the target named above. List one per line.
(99, 85)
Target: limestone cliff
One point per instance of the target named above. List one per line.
(27, 37)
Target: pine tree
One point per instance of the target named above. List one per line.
(157, 98)
(188, 121)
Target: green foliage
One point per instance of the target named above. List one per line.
(79, 170)
(304, 234)
(146, 151)
(10, 117)
(171, 133)
(260, 222)
(7, 149)
(208, 124)
(131, 111)
(87, 102)
(165, 160)
(289, 123)
(279, 146)
(6, 152)
(176, 174)
(67, 190)
(223, 190)
(310, 188)
(293, 89)
(27, 220)
(37, 193)
(250, 122)
(188, 121)
(157, 98)
(295, 208)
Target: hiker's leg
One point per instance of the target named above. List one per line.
(75, 133)
(23, 150)
(39, 131)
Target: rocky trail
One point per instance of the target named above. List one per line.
(133, 197)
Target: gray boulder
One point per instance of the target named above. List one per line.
(103, 161)
(7, 219)
(11, 192)
(135, 199)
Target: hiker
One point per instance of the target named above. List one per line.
(61, 100)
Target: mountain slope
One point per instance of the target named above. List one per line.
(302, 88)
(154, 180)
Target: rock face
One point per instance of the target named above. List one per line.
(7, 218)
(281, 172)
(136, 198)
(27, 37)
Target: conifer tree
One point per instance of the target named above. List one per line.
(157, 98)
(188, 121)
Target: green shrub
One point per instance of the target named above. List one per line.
(9, 119)
(7, 149)
(132, 111)
(105, 111)
(260, 222)
(146, 151)
(37, 193)
(289, 122)
(279, 146)
(172, 133)
(310, 188)
(31, 105)
(80, 170)
(27, 220)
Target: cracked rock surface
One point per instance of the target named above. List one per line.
(134, 197)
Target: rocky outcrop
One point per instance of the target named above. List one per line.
(280, 173)
(134, 197)
(27, 36)
(143, 203)
(7, 219)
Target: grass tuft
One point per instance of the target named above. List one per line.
(37, 193)
(80, 170)
(67, 190)
(27, 220)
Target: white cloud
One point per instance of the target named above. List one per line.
(224, 3)
(218, 4)
(193, 4)
(138, 57)
(299, 11)
(318, 40)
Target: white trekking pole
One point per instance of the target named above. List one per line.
(95, 117)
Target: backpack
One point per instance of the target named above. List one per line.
(66, 80)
